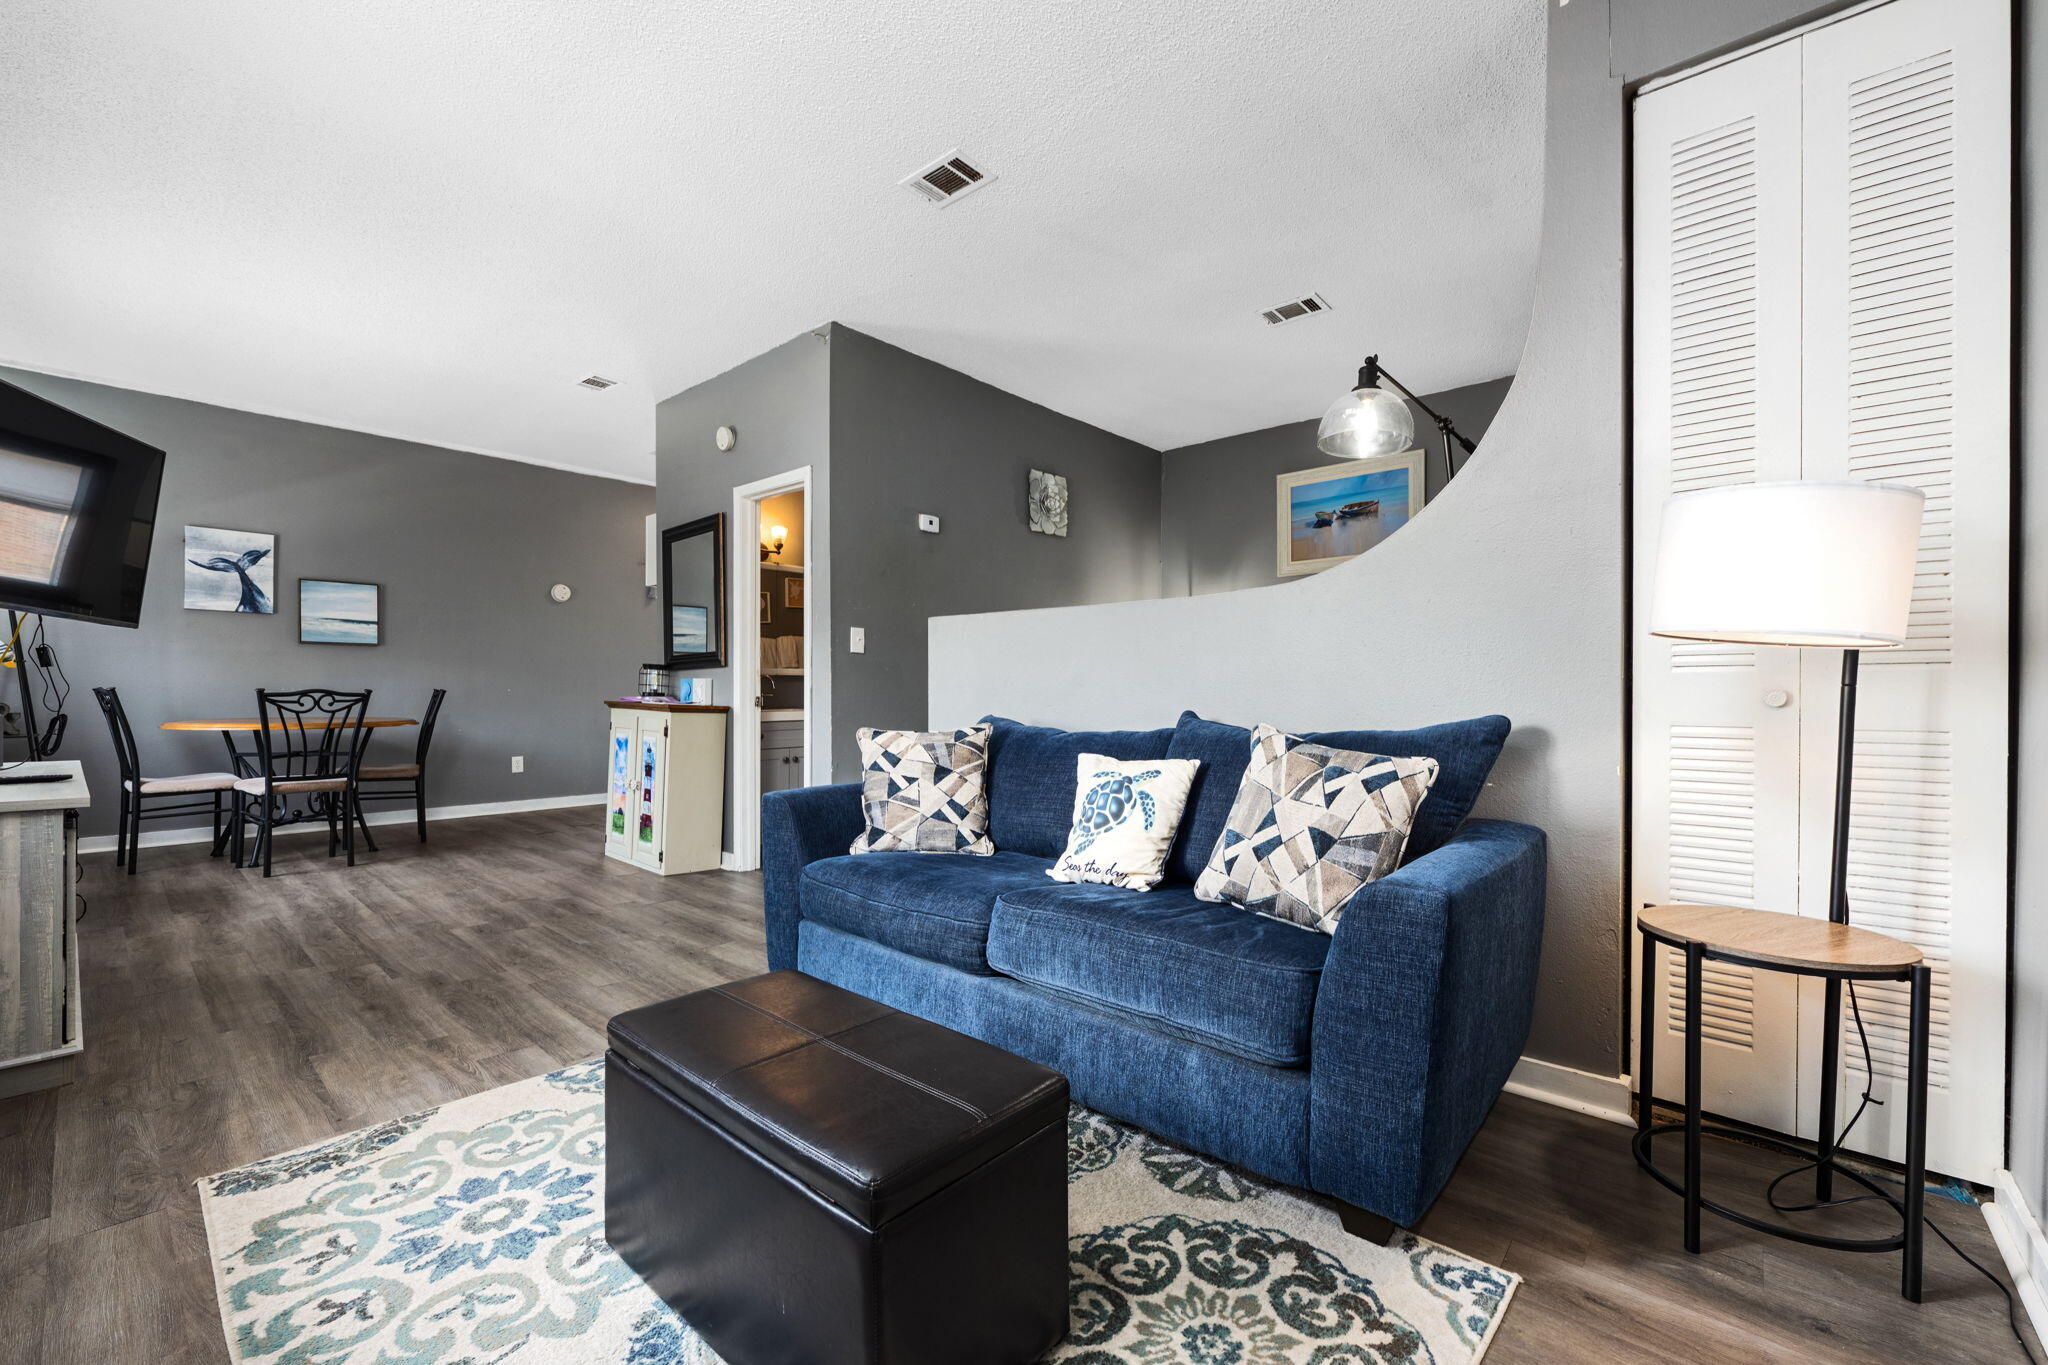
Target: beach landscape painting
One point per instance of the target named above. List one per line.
(689, 629)
(332, 612)
(1337, 512)
(230, 570)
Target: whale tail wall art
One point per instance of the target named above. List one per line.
(229, 570)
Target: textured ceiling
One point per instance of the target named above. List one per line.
(430, 218)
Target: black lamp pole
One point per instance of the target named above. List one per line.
(1838, 911)
(1845, 773)
(1370, 376)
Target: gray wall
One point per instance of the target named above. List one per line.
(1216, 498)
(909, 436)
(2027, 1137)
(465, 547)
(1507, 593)
(778, 403)
(888, 435)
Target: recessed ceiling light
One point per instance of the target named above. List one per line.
(949, 178)
(596, 381)
(1305, 306)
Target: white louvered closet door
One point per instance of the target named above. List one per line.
(1716, 276)
(1867, 338)
(1907, 294)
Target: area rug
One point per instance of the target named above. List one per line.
(473, 1234)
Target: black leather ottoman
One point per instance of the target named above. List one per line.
(812, 1178)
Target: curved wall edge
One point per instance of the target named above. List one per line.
(1505, 594)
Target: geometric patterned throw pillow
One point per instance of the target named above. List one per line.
(1310, 826)
(925, 792)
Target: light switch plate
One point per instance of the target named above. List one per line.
(856, 640)
(927, 522)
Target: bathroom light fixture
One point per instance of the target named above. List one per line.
(1372, 420)
(776, 534)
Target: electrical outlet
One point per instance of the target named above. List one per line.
(927, 522)
(856, 640)
(519, 763)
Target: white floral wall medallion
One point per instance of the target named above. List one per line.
(1047, 503)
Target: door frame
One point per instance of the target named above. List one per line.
(745, 653)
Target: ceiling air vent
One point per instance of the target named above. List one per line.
(596, 381)
(949, 178)
(1296, 308)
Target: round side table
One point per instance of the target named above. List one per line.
(1769, 941)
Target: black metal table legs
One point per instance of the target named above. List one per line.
(1830, 1082)
(1916, 1129)
(1909, 1203)
(1695, 964)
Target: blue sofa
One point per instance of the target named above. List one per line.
(1358, 1064)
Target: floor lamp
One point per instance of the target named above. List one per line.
(1816, 565)
(1370, 419)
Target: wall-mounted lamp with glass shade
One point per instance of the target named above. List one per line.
(772, 540)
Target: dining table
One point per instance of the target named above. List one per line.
(242, 762)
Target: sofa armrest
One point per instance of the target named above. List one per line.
(1422, 1011)
(798, 827)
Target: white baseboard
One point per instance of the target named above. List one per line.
(2017, 1230)
(396, 815)
(1603, 1097)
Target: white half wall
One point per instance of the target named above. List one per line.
(1505, 594)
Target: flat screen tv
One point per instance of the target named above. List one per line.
(77, 512)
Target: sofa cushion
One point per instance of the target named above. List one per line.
(1463, 749)
(1243, 984)
(932, 905)
(1031, 778)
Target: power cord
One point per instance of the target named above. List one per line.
(2012, 1317)
(56, 688)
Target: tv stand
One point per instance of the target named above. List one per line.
(41, 1034)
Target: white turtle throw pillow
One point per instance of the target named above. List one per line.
(1125, 815)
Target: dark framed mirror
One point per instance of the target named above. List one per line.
(693, 592)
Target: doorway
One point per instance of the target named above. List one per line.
(773, 579)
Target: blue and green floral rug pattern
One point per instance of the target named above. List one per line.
(473, 1234)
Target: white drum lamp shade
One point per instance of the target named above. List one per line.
(1826, 565)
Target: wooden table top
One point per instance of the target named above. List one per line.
(252, 723)
(1768, 936)
(637, 704)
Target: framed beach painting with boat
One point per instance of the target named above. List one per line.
(1339, 511)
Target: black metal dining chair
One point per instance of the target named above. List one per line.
(310, 744)
(402, 781)
(138, 791)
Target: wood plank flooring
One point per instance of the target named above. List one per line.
(229, 1018)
